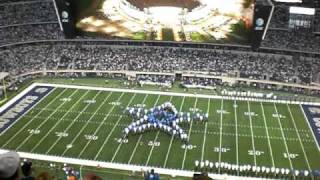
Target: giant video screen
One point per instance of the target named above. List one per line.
(217, 21)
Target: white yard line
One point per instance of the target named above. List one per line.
(81, 175)
(41, 124)
(58, 122)
(119, 166)
(71, 124)
(85, 126)
(13, 100)
(120, 144)
(220, 130)
(116, 153)
(47, 134)
(17, 97)
(113, 128)
(150, 153)
(100, 125)
(283, 137)
(138, 142)
(237, 138)
(267, 132)
(34, 117)
(61, 110)
(189, 134)
(176, 94)
(118, 115)
(134, 150)
(205, 132)
(258, 127)
(249, 136)
(252, 136)
(172, 137)
(195, 131)
(200, 132)
(155, 139)
(304, 152)
(173, 94)
(307, 121)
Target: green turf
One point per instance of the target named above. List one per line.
(238, 132)
(116, 83)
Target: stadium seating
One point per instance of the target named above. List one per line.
(154, 59)
(27, 12)
(31, 45)
(20, 23)
(26, 25)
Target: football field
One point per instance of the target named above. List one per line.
(88, 124)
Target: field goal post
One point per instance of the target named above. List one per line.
(3, 89)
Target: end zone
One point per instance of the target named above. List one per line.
(12, 111)
(312, 114)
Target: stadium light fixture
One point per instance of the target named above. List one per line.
(289, 1)
(302, 10)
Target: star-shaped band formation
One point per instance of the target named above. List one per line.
(164, 117)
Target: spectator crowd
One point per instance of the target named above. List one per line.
(280, 18)
(293, 40)
(258, 66)
(34, 20)
(27, 12)
(13, 167)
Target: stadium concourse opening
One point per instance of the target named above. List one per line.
(3, 90)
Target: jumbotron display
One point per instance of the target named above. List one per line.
(167, 20)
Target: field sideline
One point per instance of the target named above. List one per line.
(65, 123)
